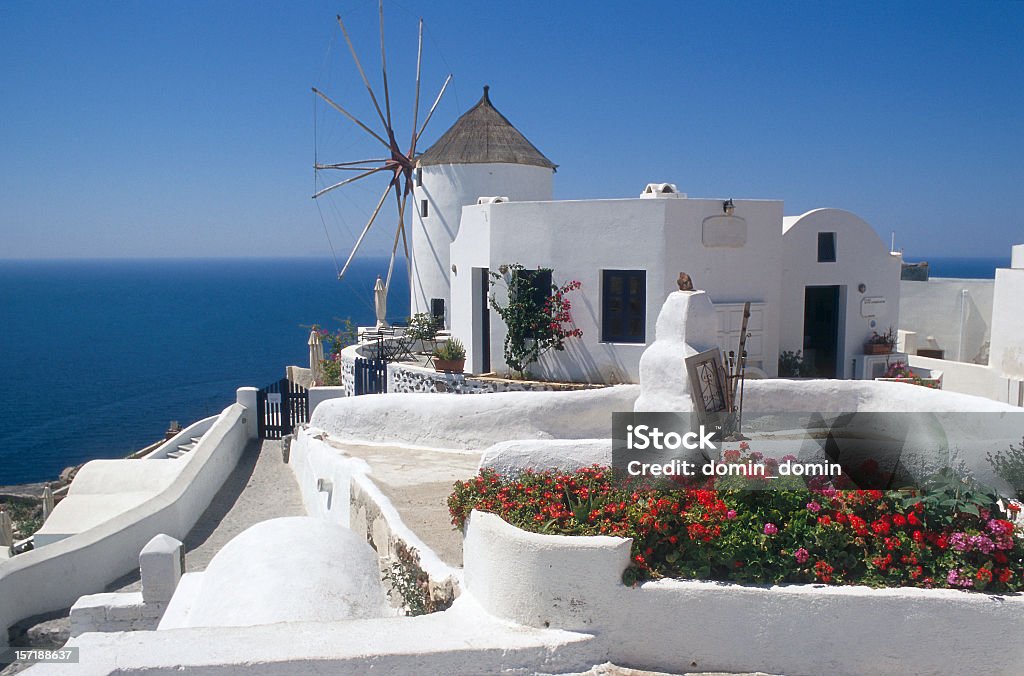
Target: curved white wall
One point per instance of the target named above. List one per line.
(53, 577)
(447, 188)
(684, 626)
(473, 422)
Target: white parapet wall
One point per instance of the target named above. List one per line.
(679, 626)
(460, 422)
(974, 379)
(54, 577)
(336, 488)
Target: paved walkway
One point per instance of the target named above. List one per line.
(260, 487)
(418, 483)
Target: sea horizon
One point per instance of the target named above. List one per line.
(105, 352)
(101, 354)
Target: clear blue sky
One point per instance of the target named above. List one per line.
(186, 128)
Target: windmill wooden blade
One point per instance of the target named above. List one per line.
(416, 106)
(391, 263)
(350, 116)
(434, 107)
(366, 229)
(362, 74)
(347, 181)
(345, 165)
(405, 244)
(384, 68)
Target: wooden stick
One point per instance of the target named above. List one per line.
(384, 68)
(348, 180)
(436, 101)
(416, 107)
(363, 234)
(362, 74)
(351, 117)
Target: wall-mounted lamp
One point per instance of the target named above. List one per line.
(455, 270)
(862, 287)
(728, 207)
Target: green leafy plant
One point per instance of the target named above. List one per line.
(1009, 465)
(948, 494)
(451, 350)
(423, 326)
(411, 583)
(26, 516)
(888, 338)
(537, 320)
(793, 365)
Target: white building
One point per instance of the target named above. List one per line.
(818, 283)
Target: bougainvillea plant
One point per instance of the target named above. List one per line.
(814, 534)
(345, 335)
(538, 320)
(904, 373)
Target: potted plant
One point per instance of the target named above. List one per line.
(450, 356)
(881, 343)
(422, 326)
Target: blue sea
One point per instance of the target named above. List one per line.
(98, 356)
(961, 268)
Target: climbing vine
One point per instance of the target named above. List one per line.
(536, 312)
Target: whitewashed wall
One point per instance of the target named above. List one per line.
(476, 422)
(1007, 354)
(955, 314)
(447, 188)
(861, 257)
(580, 239)
(688, 626)
(974, 379)
(53, 577)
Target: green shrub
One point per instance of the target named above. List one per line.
(451, 350)
(1009, 465)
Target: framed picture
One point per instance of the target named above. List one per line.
(709, 387)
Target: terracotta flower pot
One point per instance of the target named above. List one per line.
(877, 348)
(449, 365)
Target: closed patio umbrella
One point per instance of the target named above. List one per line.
(6, 530)
(380, 303)
(316, 356)
(48, 502)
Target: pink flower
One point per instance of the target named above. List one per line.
(801, 555)
(814, 506)
(731, 514)
(770, 529)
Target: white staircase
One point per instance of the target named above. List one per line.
(184, 449)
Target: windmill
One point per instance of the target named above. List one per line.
(397, 164)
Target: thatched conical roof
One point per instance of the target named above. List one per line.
(483, 135)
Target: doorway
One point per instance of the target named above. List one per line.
(481, 321)
(821, 330)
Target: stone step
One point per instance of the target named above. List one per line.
(186, 447)
(176, 454)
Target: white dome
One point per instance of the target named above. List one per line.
(291, 569)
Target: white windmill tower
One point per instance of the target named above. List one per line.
(482, 154)
(394, 163)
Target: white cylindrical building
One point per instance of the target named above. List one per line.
(482, 154)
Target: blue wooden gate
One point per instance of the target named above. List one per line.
(280, 407)
(371, 376)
